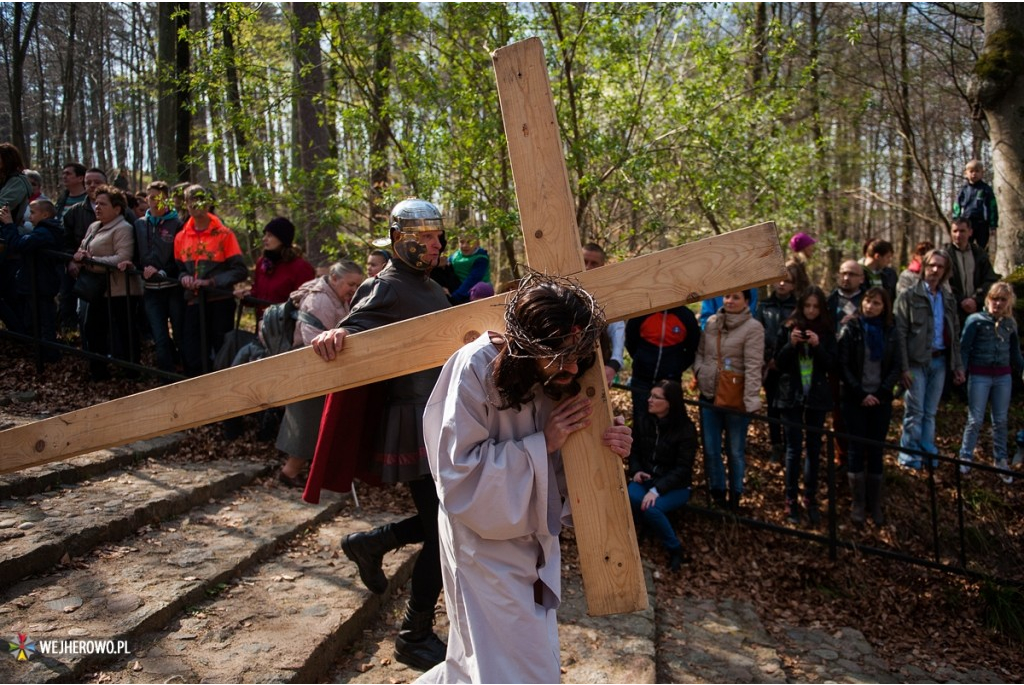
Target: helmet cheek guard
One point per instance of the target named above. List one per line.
(409, 218)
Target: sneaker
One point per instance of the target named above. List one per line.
(964, 469)
(1001, 464)
(1018, 458)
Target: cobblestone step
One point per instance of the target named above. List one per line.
(40, 530)
(48, 476)
(723, 642)
(122, 592)
(245, 634)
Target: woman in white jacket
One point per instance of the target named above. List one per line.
(736, 339)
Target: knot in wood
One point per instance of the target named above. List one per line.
(591, 391)
(470, 336)
(538, 234)
(40, 445)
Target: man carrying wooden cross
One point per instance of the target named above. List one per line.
(376, 432)
(494, 428)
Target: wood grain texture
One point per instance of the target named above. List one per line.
(651, 283)
(613, 578)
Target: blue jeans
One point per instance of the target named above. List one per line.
(656, 515)
(713, 422)
(163, 305)
(979, 390)
(920, 404)
(806, 420)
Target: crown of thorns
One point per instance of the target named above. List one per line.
(581, 336)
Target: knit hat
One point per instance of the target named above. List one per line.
(480, 291)
(800, 242)
(282, 229)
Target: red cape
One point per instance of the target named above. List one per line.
(345, 443)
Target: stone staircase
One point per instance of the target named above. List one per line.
(209, 572)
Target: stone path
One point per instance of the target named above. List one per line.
(210, 573)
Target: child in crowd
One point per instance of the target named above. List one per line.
(804, 353)
(771, 313)
(976, 202)
(990, 348)
(869, 362)
(47, 234)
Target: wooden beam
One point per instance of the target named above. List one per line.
(646, 284)
(613, 575)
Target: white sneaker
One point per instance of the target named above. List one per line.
(964, 469)
(1001, 464)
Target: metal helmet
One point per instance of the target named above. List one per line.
(408, 218)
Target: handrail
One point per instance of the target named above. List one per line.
(34, 337)
(831, 538)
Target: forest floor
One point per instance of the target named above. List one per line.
(924, 624)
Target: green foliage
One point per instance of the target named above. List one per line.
(678, 120)
(1004, 610)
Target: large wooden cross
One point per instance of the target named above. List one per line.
(609, 559)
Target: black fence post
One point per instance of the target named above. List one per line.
(929, 460)
(960, 514)
(37, 332)
(204, 347)
(830, 469)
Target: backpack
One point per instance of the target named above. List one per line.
(278, 328)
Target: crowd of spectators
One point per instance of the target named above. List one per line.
(161, 265)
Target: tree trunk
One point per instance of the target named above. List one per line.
(69, 89)
(907, 174)
(999, 94)
(167, 101)
(183, 119)
(380, 117)
(820, 150)
(20, 42)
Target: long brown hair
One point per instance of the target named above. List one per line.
(13, 163)
(545, 316)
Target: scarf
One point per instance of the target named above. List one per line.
(268, 261)
(154, 220)
(874, 337)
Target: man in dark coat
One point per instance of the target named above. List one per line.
(394, 451)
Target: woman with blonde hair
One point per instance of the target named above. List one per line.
(990, 348)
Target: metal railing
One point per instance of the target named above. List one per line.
(937, 559)
(133, 308)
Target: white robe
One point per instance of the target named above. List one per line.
(501, 510)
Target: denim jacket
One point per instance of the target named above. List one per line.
(916, 326)
(986, 342)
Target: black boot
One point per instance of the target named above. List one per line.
(718, 498)
(813, 513)
(857, 510)
(416, 644)
(367, 550)
(873, 497)
(734, 501)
